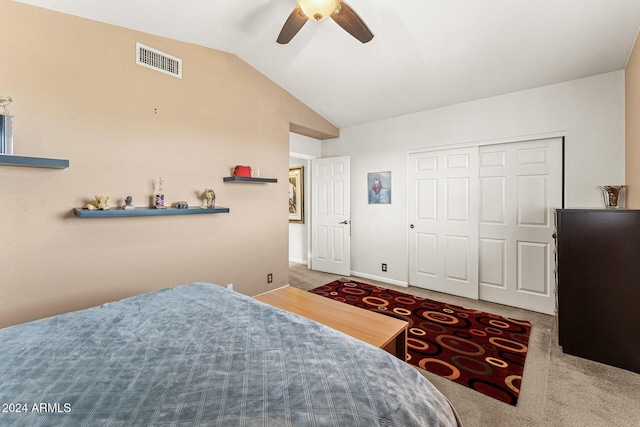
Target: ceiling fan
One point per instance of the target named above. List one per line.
(318, 10)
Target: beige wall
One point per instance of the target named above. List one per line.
(632, 125)
(79, 95)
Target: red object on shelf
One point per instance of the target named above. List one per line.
(244, 171)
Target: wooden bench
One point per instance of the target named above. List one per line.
(382, 331)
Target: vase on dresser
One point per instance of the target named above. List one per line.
(613, 196)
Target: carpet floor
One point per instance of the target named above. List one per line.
(558, 390)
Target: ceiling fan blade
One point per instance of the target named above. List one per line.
(349, 20)
(296, 20)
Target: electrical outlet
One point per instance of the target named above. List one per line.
(384, 267)
(230, 286)
(269, 277)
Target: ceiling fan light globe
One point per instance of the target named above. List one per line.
(318, 9)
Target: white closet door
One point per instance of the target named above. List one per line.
(520, 186)
(331, 215)
(443, 218)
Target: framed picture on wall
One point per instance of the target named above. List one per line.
(379, 184)
(296, 195)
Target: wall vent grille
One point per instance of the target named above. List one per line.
(159, 61)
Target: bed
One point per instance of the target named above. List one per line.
(200, 354)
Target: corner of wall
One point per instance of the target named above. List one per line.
(632, 128)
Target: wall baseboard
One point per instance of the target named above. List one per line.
(298, 261)
(380, 279)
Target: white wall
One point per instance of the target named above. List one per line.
(301, 150)
(588, 112)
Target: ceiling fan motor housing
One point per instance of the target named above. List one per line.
(318, 9)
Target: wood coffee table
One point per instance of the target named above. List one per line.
(377, 329)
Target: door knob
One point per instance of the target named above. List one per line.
(344, 222)
(411, 226)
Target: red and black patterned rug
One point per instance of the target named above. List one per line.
(480, 350)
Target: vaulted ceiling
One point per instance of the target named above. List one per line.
(425, 54)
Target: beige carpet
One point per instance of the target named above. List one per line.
(557, 389)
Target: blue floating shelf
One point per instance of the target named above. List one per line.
(120, 212)
(247, 179)
(32, 162)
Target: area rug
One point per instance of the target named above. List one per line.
(480, 350)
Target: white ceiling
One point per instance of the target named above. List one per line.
(425, 53)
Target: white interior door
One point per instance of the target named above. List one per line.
(520, 186)
(443, 218)
(331, 215)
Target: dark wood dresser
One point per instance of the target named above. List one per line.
(598, 274)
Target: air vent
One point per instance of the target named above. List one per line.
(159, 61)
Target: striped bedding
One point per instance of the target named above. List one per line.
(201, 355)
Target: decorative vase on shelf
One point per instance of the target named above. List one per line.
(159, 196)
(6, 134)
(613, 196)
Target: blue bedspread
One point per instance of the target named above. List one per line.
(202, 355)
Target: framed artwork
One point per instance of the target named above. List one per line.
(296, 195)
(379, 187)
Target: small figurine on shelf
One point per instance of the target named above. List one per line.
(182, 205)
(4, 103)
(127, 203)
(209, 199)
(100, 203)
(160, 195)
